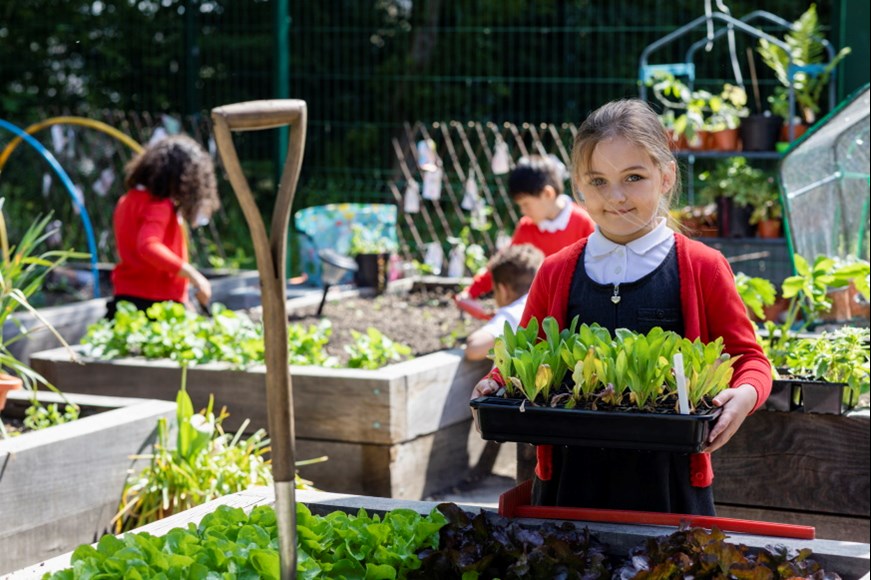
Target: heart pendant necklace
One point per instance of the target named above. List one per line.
(615, 298)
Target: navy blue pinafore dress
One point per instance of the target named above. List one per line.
(657, 481)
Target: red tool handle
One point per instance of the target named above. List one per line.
(663, 519)
(474, 308)
(514, 503)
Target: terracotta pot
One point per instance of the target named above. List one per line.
(841, 306)
(699, 142)
(768, 229)
(859, 307)
(798, 129)
(725, 140)
(678, 142)
(8, 383)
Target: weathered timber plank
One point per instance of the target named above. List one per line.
(390, 405)
(67, 480)
(796, 462)
(409, 470)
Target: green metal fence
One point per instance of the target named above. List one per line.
(365, 68)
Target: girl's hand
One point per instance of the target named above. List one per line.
(485, 387)
(200, 282)
(736, 403)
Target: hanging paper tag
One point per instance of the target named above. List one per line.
(171, 124)
(434, 257)
(470, 197)
(46, 183)
(104, 182)
(501, 162)
(426, 155)
(159, 133)
(80, 198)
(57, 138)
(432, 184)
(411, 198)
(456, 263)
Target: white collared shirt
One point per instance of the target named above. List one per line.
(607, 262)
(561, 221)
(510, 313)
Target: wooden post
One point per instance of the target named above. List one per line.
(270, 251)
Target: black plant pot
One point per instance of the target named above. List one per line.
(785, 396)
(825, 397)
(760, 132)
(500, 419)
(372, 271)
(734, 220)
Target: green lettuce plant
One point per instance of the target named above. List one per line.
(374, 350)
(167, 330)
(586, 365)
(228, 543)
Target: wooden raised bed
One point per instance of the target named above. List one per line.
(60, 487)
(799, 468)
(402, 431)
(851, 560)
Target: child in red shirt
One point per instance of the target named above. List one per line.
(551, 220)
(635, 272)
(171, 180)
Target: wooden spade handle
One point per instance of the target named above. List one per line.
(256, 115)
(270, 251)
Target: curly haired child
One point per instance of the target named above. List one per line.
(171, 180)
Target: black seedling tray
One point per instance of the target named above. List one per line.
(500, 419)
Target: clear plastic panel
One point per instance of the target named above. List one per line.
(825, 181)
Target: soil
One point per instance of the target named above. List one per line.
(426, 320)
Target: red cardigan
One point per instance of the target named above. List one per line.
(711, 308)
(151, 248)
(580, 226)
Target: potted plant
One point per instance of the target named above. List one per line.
(833, 369)
(23, 269)
(805, 39)
(588, 387)
(767, 214)
(728, 109)
(371, 248)
(698, 220)
(737, 187)
(808, 294)
(684, 110)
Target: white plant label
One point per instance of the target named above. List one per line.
(411, 198)
(501, 162)
(470, 195)
(432, 185)
(434, 258)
